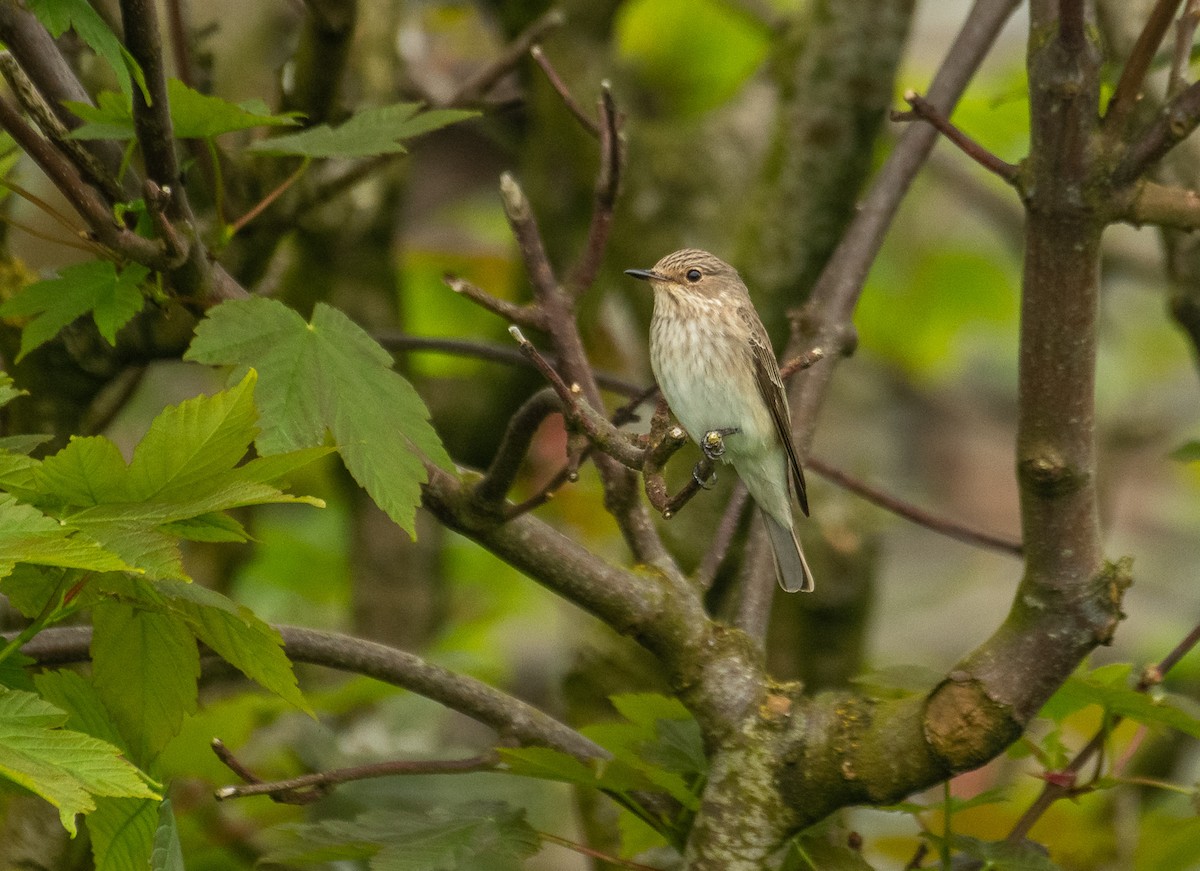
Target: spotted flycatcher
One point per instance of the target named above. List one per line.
(714, 364)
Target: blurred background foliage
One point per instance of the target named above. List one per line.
(925, 409)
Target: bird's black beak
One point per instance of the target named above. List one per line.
(643, 274)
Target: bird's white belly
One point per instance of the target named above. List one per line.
(711, 385)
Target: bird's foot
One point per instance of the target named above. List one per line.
(706, 483)
(713, 443)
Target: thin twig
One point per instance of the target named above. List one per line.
(1063, 784)
(1185, 34)
(943, 525)
(926, 111)
(1174, 124)
(563, 92)
(526, 315)
(82, 197)
(598, 429)
(1133, 75)
(529, 239)
(595, 854)
(271, 197)
(396, 341)
(500, 475)
(608, 180)
(731, 520)
(477, 86)
(307, 788)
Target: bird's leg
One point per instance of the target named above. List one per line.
(713, 443)
(704, 475)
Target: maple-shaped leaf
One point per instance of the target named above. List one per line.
(328, 375)
(364, 134)
(111, 296)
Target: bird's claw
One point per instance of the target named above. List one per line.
(713, 443)
(703, 482)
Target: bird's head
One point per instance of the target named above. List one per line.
(691, 272)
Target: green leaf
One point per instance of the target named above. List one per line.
(64, 767)
(1109, 687)
(212, 527)
(168, 853)
(59, 15)
(1003, 855)
(328, 375)
(145, 666)
(193, 115)
(367, 133)
(7, 391)
(77, 696)
(123, 832)
(1188, 452)
(237, 636)
(547, 764)
(112, 297)
(817, 853)
(470, 837)
(88, 471)
(28, 536)
(23, 443)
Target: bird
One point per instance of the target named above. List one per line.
(716, 369)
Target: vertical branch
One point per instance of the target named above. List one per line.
(1125, 95)
(608, 180)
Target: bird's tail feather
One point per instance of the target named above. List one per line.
(790, 566)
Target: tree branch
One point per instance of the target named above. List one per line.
(498, 480)
(1173, 125)
(563, 91)
(1133, 75)
(530, 316)
(923, 109)
(508, 716)
(477, 86)
(1148, 202)
(608, 180)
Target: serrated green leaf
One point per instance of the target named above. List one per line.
(23, 443)
(28, 536)
(364, 134)
(547, 764)
(64, 767)
(328, 375)
(470, 837)
(112, 297)
(8, 393)
(122, 832)
(237, 636)
(191, 442)
(59, 15)
(88, 471)
(145, 666)
(1109, 687)
(168, 852)
(193, 115)
(212, 527)
(74, 694)
(29, 588)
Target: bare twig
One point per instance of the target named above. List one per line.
(529, 238)
(598, 429)
(706, 572)
(82, 197)
(525, 315)
(943, 525)
(923, 109)
(477, 86)
(595, 854)
(307, 788)
(1071, 24)
(1063, 784)
(522, 426)
(1161, 205)
(1185, 33)
(158, 203)
(608, 180)
(396, 341)
(1133, 75)
(1177, 120)
(564, 93)
(263, 204)
(511, 718)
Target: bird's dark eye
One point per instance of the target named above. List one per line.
(693, 275)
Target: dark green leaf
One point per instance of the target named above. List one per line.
(122, 831)
(193, 115)
(145, 666)
(59, 15)
(1188, 452)
(236, 635)
(328, 375)
(367, 133)
(1109, 687)
(112, 297)
(168, 853)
